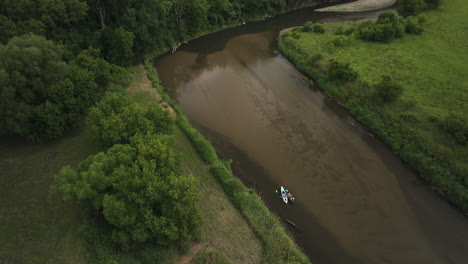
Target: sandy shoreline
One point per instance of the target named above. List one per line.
(358, 6)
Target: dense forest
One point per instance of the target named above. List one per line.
(57, 57)
(58, 60)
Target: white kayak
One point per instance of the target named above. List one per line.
(284, 195)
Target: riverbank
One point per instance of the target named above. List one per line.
(359, 6)
(225, 231)
(277, 245)
(431, 69)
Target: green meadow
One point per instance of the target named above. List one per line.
(432, 68)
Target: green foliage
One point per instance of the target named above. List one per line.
(387, 27)
(210, 257)
(411, 7)
(117, 118)
(314, 59)
(118, 45)
(388, 90)
(313, 27)
(413, 125)
(307, 27)
(413, 25)
(432, 4)
(138, 189)
(456, 125)
(318, 28)
(36, 84)
(203, 146)
(338, 41)
(104, 71)
(341, 71)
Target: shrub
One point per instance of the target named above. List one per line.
(318, 28)
(388, 89)
(350, 30)
(203, 146)
(409, 117)
(312, 60)
(391, 18)
(341, 71)
(338, 41)
(413, 26)
(307, 26)
(339, 31)
(456, 125)
(311, 27)
(411, 7)
(432, 4)
(387, 27)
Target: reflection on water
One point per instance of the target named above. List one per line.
(357, 203)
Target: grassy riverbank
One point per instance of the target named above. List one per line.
(431, 67)
(36, 227)
(359, 6)
(277, 245)
(225, 231)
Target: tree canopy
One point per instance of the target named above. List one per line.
(139, 190)
(41, 94)
(116, 118)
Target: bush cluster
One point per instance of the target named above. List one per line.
(456, 125)
(338, 41)
(414, 25)
(341, 71)
(388, 90)
(415, 7)
(313, 27)
(387, 27)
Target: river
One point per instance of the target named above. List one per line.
(356, 201)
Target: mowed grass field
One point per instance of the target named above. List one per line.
(432, 67)
(36, 227)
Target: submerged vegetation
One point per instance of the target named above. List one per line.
(404, 78)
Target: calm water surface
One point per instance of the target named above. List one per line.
(356, 201)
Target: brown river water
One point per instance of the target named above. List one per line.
(356, 201)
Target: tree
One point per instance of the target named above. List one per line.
(37, 84)
(137, 188)
(30, 65)
(195, 18)
(116, 118)
(118, 45)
